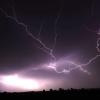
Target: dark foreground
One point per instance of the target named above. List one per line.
(54, 94)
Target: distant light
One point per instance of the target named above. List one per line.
(18, 82)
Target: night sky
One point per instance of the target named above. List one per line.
(48, 40)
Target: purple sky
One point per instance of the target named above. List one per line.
(55, 43)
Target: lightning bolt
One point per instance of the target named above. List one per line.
(44, 47)
(78, 66)
(50, 51)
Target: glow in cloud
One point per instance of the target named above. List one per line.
(18, 82)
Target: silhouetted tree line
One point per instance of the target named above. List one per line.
(60, 94)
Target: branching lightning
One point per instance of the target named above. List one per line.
(44, 47)
(50, 51)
